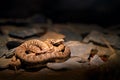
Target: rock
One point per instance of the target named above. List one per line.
(103, 51)
(71, 35)
(59, 27)
(52, 35)
(80, 49)
(4, 63)
(97, 37)
(85, 28)
(56, 66)
(10, 53)
(46, 70)
(76, 28)
(114, 60)
(115, 29)
(96, 61)
(3, 48)
(84, 35)
(115, 57)
(6, 29)
(3, 51)
(7, 53)
(27, 32)
(72, 63)
(13, 44)
(3, 41)
(16, 39)
(83, 50)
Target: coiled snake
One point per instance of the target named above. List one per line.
(36, 51)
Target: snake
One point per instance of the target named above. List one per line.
(41, 51)
(55, 44)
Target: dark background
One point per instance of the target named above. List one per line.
(103, 12)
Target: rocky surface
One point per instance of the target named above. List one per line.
(10, 53)
(114, 58)
(77, 66)
(84, 49)
(96, 61)
(26, 33)
(99, 37)
(3, 48)
(76, 63)
(3, 51)
(46, 70)
(13, 44)
(80, 49)
(4, 63)
(72, 63)
(52, 35)
(71, 35)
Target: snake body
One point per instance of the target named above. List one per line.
(39, 51)
(45, 57)
(55, 45)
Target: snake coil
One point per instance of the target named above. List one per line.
(36, 51)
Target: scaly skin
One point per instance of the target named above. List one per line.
(34, 46)
(46, 52)
(52, 42)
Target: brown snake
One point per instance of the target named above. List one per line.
(39, 51)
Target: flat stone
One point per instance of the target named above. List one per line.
(97, 37)
(72, 63)
(3, 40)
(76, 29)
(10, 53)
(6, 29)
(3, 48)
(4, 63)
(15, 39)
(52, 35)
(83, 50)
(113, 60)
(3, 51)
(85, 28)
(115, 56)
(96, 61)
(13, 44)
(46, 70)
(113, 31)
(80, 49)
(26, 32)
(103, 51)
(71, 35)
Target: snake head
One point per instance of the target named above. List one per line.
(56, 41)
